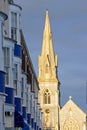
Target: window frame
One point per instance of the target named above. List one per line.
(7, 64)
(14, 25)
(15, 78)
(47, 97)
(22, 88)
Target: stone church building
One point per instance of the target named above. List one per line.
(68, 117)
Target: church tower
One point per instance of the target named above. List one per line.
(48, 81)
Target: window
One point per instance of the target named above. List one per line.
(27, 99)
(30, 103)
(7, 56)
(71, 124)
(6, 63)
(14, 26)
(46, 98)
(3, 118)
(10, 1)
(7, 75)
(15, 77)
(8, 113)
(22, 88)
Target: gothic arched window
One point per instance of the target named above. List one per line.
(71, 124)
(46, 97)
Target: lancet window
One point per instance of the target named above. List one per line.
(46, 97)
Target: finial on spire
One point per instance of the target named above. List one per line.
(46, 11)
(70, 97)
(47, 23)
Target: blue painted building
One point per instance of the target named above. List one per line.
(3, 17)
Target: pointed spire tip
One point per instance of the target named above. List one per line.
(46, 11)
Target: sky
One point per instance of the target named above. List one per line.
(68, 20)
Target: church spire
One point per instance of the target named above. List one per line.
(48, 95)
(47, 60)
(47, 37)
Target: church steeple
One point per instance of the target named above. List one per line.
(48, 95)
(47, 60)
